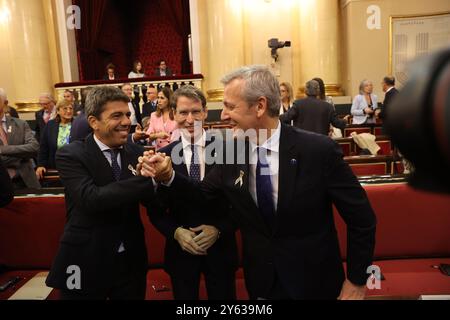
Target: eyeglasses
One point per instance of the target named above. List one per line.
(196, 114)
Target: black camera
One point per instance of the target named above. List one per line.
(275, 44)
(418, 121)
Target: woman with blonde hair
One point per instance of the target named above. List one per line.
(364, 104)
(56, 135)
(287, 96)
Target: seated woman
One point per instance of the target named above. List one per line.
(56, 134)
(136, 73)
(163, 128)
(364, 104)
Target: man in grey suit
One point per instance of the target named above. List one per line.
(313, 114)
(17, 147)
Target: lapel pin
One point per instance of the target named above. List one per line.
(239, 180)
(133, 171)
(293, 162)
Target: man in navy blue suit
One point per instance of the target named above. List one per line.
(198, 239)
(282, 197)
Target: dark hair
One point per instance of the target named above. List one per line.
(312, 88)
(321, 88)
(98, 97)
(167, 92)
(110, 66)
(159, 62)
(389, 80)
(190, 92)
(135, 63)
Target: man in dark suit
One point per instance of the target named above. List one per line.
(48, 104)
(388, 85)
(80, 125)
(17, 147)
(135, 110)
(313, 114)
(6, 187)
(102, 252)
(163, 70)
(282, 196)
(193, 244)
(152, 102)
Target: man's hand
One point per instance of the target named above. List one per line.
(207, 237)
(368, 110)
(40, 171)
(158, 166)
(350, 291)
(161, 135)
(139, 134)
(186, 240)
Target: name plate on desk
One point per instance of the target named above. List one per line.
(34, 289)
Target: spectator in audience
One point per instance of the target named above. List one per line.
(312, 114)
(70, 97)
(283, 200)
(163, 70)
(322, 93)
(136, 73)
(287, 96)
(103, 237)
(56, 135)
(193, 245)
(110, 72)
(388, 85)
(6, 187)
(134, 107)
(152, 102)
(322, 96)
(17, 147)
(44, 115)
(80, 126)
(364, 104)
(163, 127)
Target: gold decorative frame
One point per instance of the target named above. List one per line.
(391, 30)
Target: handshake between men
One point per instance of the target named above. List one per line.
(196, 240)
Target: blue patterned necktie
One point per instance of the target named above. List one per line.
(264, 189)
(194, 169)
(114, 164)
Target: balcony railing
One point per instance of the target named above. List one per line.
(138, 84)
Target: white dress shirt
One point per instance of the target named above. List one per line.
(272, 146)
(105, 150)
(133, 118)
(187, 151)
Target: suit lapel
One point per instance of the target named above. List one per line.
(287, 172)
(180, 167)
(101, 168)
(241, 172)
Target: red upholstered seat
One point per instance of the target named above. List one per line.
(412, 236)
(368, 169)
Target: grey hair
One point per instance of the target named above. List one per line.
(190, 92)
(312, 88)
(259, 82)
(47, 95)
(98, 97)
(362, 85)
(3, 94)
